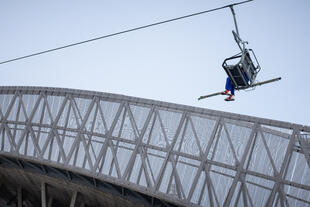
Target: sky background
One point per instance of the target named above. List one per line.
(175, 62)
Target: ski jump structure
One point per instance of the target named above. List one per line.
(65, 147)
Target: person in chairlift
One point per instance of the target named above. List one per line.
(229, 90)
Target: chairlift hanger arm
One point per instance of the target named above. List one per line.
(235, 20)
(237, 34)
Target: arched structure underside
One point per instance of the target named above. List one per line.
(75, 147)
(26, 183)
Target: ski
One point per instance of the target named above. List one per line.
(210, 95)
(265, 82)
(253, 85)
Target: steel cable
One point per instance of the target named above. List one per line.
(122, 32)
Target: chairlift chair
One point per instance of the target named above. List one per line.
(243, 67)
(240, 68)
(243, 72)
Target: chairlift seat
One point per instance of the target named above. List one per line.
(243, 72)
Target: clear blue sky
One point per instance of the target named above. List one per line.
(175, 62)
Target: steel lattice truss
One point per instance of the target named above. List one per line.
(190, 156)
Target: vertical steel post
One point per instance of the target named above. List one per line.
(73, 199)
(43, 194)
(50, 202)
(19, 196)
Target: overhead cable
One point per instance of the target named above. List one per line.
(122, 32)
